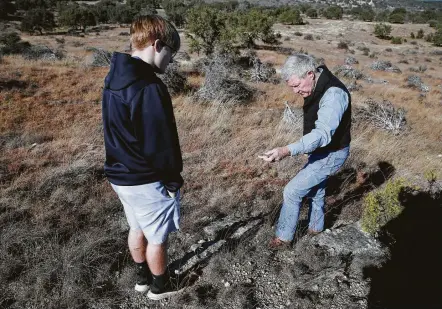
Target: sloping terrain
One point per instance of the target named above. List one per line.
(63, 233)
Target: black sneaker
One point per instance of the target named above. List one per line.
(162, 288)
(144, 278)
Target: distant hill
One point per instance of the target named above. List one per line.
(416, 4)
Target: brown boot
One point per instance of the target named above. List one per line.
(312, 232)
(278, 244)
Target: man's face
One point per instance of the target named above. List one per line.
(302, 86)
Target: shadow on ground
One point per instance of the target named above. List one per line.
(347, 187)
(360, 183)
(186, 270)
(411, 278)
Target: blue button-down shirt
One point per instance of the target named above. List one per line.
(332, 106)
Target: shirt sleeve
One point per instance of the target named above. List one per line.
(332, 106)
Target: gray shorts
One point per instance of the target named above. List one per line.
(150, 208)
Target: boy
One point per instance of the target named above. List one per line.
(143, 155)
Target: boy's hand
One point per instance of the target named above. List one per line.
(275, 154)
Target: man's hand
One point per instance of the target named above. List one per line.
(276, 154)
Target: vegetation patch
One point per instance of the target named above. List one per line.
(381, 206)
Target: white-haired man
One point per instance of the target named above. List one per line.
(326, 139)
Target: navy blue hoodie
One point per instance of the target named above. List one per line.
(140, 133)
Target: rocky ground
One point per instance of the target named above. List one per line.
(233, 268)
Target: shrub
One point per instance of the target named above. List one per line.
(412, 35)
(297, 33)
(382, 16)
(219, 85)
(176, 11)
(252, 26)
(123, 14)
(368, 14)
(100, 57)
(333, 12)
(11, 43)
(308, 37)
(351, 60)
(419, 69)
(429, 37)
(175, 81)
(384, 116)
(396, 40)
(204, 29)
(312, 13)
(365, 14)
(420, 34)
(38, 20)
(208, 28)
(39, 52)
(346, 71)
(365, 50)
(6, 8)
(104, 10)
(143, 7)
(437, 38)
(261, 72)
(342, 45)
(386, 66)
(76, 16)
(396, 18)
(431, 177)
(291, 17)
(353, 86)
(9, 38)
(433, 23)
(381, 206)
(415, 81)
(382, 31)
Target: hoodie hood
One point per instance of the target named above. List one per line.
(126, 70)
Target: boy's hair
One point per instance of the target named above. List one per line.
(146, 29)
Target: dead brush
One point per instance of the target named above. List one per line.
(415, 82)
(262, 72)
(350, 60)
(175, 81)
(347, 71)
(100, 57)
(292, 117)
(40, 52)
(386, 66)
(383, 115)
(220, 84)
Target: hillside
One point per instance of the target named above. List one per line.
(416, 4)
(63, 232)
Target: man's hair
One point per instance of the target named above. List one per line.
(146, 29)
(298, 65)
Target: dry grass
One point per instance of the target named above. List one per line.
(62, 230)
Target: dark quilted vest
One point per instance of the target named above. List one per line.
(341, 138)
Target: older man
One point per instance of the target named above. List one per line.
(326, 139)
